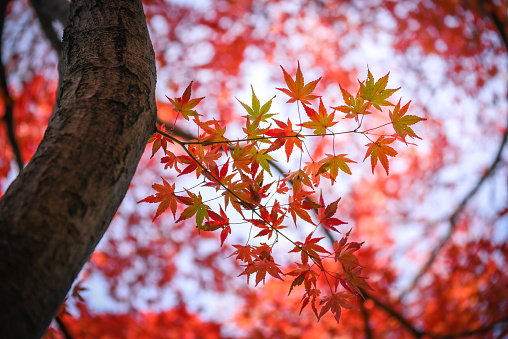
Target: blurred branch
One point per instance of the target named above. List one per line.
(365, 314)
(394, 314)
(453, 218)
(63, 328)
(46, 24)
(8, 102)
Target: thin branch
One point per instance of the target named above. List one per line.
(7, 99)
(63, 328)
(453, 218)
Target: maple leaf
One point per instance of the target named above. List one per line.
(332, 164)
(217, 177)
(310, 296)
(270, 221)
(375, 92)
(298, 178)
(296, 89)
(352, 279)
(262, 157)
(165, 196)
(258, 111)
(312, 168)
(354, 107)
(184, 104)
(253, 131)
(243, 253)
(191, 165)
(319, 122)
(196, 207)
(242, 158)
(304, 274)
(287, 137)
(335, 303)
(170, 160)
(380, 150)
(159, 141)
(401, 122)
(213, 134)
(236, 190)
(217, 221)
(261, 267)
(325, 215)
(344, 252)
(309, 248)
(299, 207)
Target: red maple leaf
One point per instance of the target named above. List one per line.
(304, 274)
(286, 136)
(325, 215)
(335, 303)
(260, 267)
(309, 248)
(165, 196)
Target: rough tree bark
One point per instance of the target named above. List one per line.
(55, 212)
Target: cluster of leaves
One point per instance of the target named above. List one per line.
(240, 178)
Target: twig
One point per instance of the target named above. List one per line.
(7, 99)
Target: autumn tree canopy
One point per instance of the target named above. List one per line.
(431, 220)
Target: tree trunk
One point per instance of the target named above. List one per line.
(58, 208)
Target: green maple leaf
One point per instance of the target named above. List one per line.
(332, 164)
(184, 104)
(195, 207)
(401, 122)
(262, 158)
(375, 92)
(258, 111)
(319, 122)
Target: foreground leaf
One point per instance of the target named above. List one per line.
(297, 90)
(380, 150)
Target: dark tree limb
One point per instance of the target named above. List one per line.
(58, 208)
(47, 26)
(8, 117)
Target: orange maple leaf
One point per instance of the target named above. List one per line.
(319, 122)
(184, 104)
(296, 89)
(380, 150)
